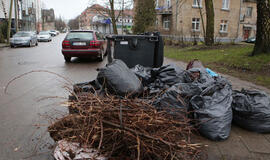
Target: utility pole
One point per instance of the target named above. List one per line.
(16, 15)
(9, 21)
(123, 16)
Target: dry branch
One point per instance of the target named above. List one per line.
(127, 128)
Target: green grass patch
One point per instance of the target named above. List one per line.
(229, 59)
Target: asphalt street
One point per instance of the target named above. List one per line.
(34, 99)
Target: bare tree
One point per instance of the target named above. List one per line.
(262, 44)
(4, 8)
(210, 22)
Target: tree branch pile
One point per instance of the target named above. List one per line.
(123, 128)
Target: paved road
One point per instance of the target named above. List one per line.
(23, 117)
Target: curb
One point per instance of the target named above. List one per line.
(3, 46)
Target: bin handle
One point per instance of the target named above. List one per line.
(153, 39)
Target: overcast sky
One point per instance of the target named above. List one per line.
(68, 9)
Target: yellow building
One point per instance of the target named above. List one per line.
(235, 20)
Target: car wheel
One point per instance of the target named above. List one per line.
(67, 59)
(12, 46)
(36, 43)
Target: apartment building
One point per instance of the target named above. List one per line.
(95, 18)
(28, 13)
(235, 20)
(48, 19)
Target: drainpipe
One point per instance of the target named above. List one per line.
(176, 15)
(240, 11)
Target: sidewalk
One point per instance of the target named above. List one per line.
(242, 144)
(2, 45)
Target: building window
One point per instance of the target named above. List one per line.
(166, 23)
(249, 12)
(225, 4)
(223, 26)
(156, 3)
(197, 3)
(167, 3)
(195, 24)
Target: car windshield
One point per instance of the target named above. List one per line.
(43, 33)
(22, 34)
(80, 35)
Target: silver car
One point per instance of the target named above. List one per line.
(44, 36)
(24, 38)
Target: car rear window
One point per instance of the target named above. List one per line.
(22, 34)
(80, 35)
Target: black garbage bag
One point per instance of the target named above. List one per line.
(118, 79)
(144, 74)
(169, 75)
(177, 96)
(251, 110)
(92, 86)
(212, 110)
(200, 76)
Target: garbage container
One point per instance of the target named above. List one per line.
(146, 50)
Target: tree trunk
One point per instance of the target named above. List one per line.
(112, 13)
(262, 44)
(210, 22)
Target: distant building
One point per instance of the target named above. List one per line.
(248, 19)
(86, 17)
(48, 19)
(235, 20)
(95, 18)
(4, 12)
(31, 15)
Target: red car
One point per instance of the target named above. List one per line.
(84, 44)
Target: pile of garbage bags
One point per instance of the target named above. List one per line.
(207, 96)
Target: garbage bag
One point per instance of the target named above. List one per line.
(251, 110)
(144, 74)
(169, 75)
(91, 86)
(195, 64)
(119, 79)
(67, 150)
(212, 73)
(178, 96)
(212, 110)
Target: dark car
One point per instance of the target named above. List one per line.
(251, 40)
(84, 44)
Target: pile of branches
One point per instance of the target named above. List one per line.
(124, 128)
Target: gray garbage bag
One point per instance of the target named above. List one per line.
(212, 109)
(169, 75)
(119, 79)
(178, 96)
(92, 86)
(251, 110)
(143, 73)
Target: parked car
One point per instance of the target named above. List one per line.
(44, 36)
(84, 44)
(53, 33)
(251, 40)
(24, 38)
